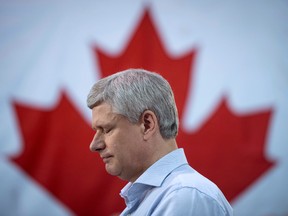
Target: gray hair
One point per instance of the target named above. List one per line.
(133, 91)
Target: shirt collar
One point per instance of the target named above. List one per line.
(156, 174)
(153, 176)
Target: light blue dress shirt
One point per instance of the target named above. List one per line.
(171, 187)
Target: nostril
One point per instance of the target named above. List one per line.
(98, 149)
(94, 149)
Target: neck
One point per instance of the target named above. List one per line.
(155, 150)
(162, 148)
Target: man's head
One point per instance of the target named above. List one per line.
(135, 119)
(133, 91)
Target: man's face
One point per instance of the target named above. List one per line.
(119, 143)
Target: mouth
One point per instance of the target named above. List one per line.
(106, 159)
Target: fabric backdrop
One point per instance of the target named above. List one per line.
(225, 60)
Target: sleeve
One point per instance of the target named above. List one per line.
(188, 201)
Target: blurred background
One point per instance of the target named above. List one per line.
(227, 62)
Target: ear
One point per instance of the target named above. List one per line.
(149, 124)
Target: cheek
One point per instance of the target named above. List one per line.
(122, 149)
(115, 144)
(125, 144)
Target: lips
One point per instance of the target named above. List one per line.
(106, 158)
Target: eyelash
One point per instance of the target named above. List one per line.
(103, 131)
(106, 131)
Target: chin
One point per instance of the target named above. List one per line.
(112, 171)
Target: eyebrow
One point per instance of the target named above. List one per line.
(102, 125)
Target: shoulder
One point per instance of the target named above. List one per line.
(188, 186)
(186, 177)
(189, 201)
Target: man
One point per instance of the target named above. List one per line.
(136, 122)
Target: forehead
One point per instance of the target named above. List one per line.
(103, 114)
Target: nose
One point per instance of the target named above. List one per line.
(97, 144)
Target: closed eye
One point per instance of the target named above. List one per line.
(107, 130)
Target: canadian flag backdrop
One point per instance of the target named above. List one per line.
(225, 60)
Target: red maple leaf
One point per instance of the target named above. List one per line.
(228, 148)
(56, 154)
